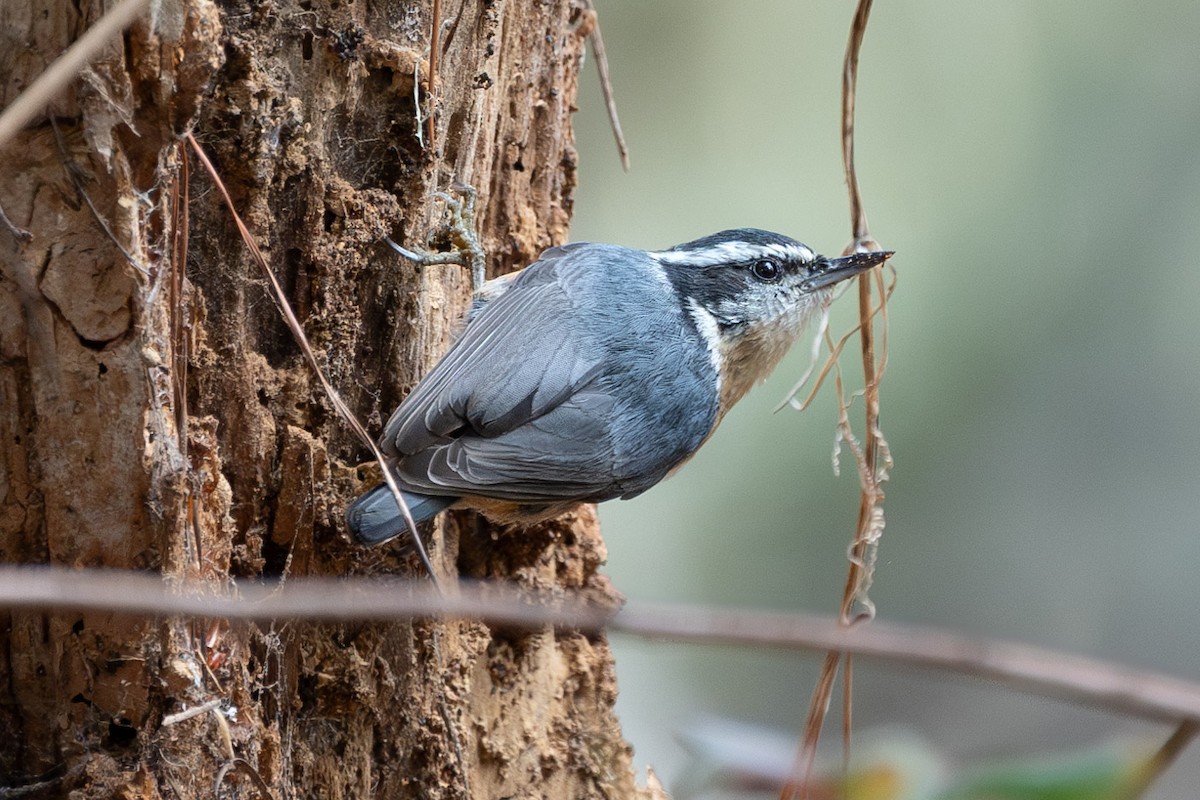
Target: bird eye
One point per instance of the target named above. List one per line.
(766, 271)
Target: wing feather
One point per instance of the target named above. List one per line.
(497, 375)
(562, 455)
(551, 396)
(514, 403)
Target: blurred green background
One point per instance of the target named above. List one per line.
(1035, 167)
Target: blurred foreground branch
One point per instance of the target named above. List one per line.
(1073, 678)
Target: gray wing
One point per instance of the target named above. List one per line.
(518, 408)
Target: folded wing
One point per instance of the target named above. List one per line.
(519, 408)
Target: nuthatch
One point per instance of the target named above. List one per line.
(594, 373)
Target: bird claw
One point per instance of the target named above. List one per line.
(467, 252)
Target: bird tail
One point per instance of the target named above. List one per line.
(374, 517)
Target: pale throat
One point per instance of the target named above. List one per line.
(749, 358)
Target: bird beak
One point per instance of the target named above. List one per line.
(838, 269)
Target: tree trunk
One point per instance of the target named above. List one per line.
(155, 413)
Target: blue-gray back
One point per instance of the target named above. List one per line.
(580, 381)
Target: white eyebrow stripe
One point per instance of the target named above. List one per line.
(732, 252)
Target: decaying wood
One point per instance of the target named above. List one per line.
(163, 420)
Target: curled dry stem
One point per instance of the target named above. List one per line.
(856, 605)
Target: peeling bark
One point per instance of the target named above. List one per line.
(156, 415)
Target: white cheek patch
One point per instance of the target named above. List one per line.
(706, 323)
(777, 307)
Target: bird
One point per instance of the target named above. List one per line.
(594, 373)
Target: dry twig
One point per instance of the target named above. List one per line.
(856, 605)
(194, 711)
(246, 768)
(590, 27)
(47, 86)
(1184, 735)
(75, 174)
(297, 330)
(1051, 673)
(435, 37)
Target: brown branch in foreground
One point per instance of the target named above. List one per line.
(817, 710)
(67, 66)
(1184, 734)
(435, 38)
(835, 351)
(591, 28)
(856, 605)
(858, 216)
(869, 518)
(1051, 673)
(869, 521)
(298, 334)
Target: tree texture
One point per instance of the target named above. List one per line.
(155, 413)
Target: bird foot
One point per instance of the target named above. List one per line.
(460, 229)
